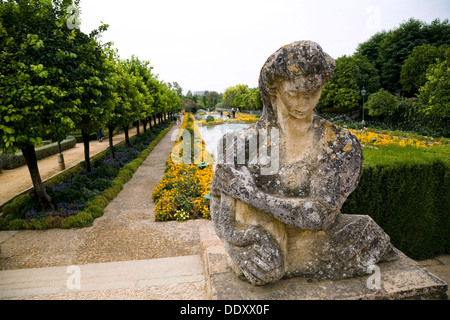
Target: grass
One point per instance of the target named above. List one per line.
(389, 155)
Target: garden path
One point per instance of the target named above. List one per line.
(16, 181)
(126, 232)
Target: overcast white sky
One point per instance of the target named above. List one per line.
(212, 44)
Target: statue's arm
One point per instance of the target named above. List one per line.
(223, 209)
(304, 213)
(340, 174)
(254, 250)
(333, 182)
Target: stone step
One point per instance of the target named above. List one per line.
(72, 280)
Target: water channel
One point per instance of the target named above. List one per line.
(212, 134)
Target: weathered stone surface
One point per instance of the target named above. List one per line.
(399, 279)
(276, 204)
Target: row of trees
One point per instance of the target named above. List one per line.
(409, 62)
(193, 102)
(242, 97)
(239, 96)
(55, 79)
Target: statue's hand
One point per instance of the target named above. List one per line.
(262, 260)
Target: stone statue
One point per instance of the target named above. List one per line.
(287, 222)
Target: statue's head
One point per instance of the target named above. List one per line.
(294, 77)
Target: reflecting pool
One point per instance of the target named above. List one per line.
(211, 135)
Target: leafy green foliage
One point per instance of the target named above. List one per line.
(389, 49)
(33, 102)
(54, 79)
(435, 94)
(414, 69)
(350, 76)
(240, 96)
(382, 103)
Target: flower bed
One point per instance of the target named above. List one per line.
(370, 137)
(78, 197)
(240, 118)
(182, 192)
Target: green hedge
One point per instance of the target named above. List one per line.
(12, 161)
(92, 137)
(407, 192)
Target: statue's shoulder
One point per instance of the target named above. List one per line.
(334, 136)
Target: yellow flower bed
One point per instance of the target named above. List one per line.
(368, 137)
(184, 186)
(240, 117)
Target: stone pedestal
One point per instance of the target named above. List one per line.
(398, 280)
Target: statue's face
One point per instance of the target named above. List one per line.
(297, 98)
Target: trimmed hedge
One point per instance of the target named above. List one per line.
(407, 192)
(12, 161)
(94, 208)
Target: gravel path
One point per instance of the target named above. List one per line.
(127, 230)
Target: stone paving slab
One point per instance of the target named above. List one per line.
(112, 278)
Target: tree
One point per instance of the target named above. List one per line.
(213, 98)
(394, 50)
(143, 102)
(35, 67)
(352, 73)
(388, 50)
(370, 48)
(254, 100)
(414, 70)
(126, 93)
(234, 97)
(434, 95)
(177, 88)
(190, 106)
(204, 101)
(89, 85)
(382, 104)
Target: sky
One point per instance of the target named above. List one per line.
(214, 44)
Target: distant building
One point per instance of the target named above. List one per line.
(200, 93)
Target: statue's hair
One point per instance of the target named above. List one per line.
(304, 59)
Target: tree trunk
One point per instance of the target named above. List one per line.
(44, 199)
(150, 122)
(87, 159)
(144, 125)
(111, 145)
(127, 137)
(138, 130)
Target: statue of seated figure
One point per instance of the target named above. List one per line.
(287, 222)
